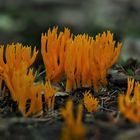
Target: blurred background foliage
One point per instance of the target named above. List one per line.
(24, 21)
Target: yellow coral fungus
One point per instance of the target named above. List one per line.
(49, 94)
(74, 129)
(17, 53)
(90, 102)
(77, 61)
(20, 81)
(129, 104)
(87, 60)
(53, 49)
(15, 56)
(83, 60)
(103, 55)
(23, 88)
(70, 65)
(27, 94)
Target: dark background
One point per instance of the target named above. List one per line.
(24, 20)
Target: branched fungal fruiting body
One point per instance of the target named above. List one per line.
(73, 129)
(91, 103)
(129, 103)
(20, 80)
(103, 55)
(49, 94)
(85, 61)
(53, 52)
(16, 56)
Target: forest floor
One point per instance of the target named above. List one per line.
(106, 123)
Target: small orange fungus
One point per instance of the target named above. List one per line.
(91, 103)
(129, 103)
(74, 129)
